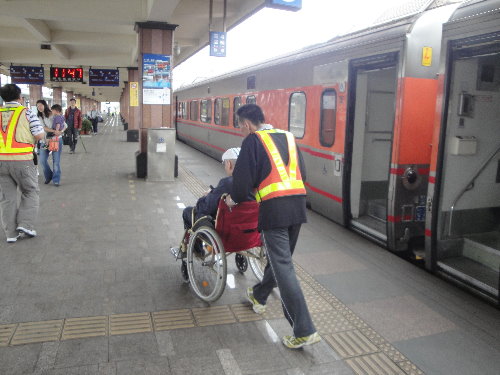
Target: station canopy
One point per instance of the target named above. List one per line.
(101, 33)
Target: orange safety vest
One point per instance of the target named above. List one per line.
(283, 180)
(8, 144)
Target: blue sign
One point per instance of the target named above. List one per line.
(104, 77)
(218, 40)
(155, 71)
(29, 75)
(285, 4)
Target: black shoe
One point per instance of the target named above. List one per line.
(47, 180)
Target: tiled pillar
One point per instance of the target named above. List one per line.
(35, 94)
(154, 38)
(69, 96)
(57, 95)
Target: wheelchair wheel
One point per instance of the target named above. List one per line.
(258, 261)
(206, 264)
(241, 262)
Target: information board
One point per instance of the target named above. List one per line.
(66, 74)
(104, 77)
(28, 75)
(218, 41)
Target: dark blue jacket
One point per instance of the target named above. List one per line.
(208, 204)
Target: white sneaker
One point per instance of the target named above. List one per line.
(29, 232)
(12, 239)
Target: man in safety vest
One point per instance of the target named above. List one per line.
(270, 164)
(19, 130)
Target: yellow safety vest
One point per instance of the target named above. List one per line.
(10, 148)
(283, 180)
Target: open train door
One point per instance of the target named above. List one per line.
(369, 137)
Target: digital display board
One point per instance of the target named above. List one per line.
(66, 74)
(104, 77)
(29, 75)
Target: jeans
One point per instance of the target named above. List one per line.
(280, 244)
(54, 174)
(94, 124)
(73, 136)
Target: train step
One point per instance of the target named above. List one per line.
(377, 208)
(483, 248)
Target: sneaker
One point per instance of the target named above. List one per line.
(29, 232)
(293, 342)
(256, 305)
(12, 239)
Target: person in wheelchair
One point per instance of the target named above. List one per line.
(207, 205)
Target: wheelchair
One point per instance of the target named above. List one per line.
(205, 247)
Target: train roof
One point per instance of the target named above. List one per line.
(395, 22)
(473, 8)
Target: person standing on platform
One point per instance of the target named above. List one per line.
(19, 131)
(270, 164)
(73, 118)
(93, 115)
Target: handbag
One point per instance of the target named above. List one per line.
(100, 119)
(53, 144)
(65, 137)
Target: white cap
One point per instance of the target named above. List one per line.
(231, 154)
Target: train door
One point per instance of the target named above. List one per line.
(468, 202)
(369, 142)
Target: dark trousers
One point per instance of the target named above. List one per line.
(280, 244)
(95, 121)
(73, 137)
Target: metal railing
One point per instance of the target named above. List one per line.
(468, 187)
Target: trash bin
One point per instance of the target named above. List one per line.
(161, 154)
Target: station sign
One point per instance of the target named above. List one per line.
(29, 75)
(293, 5)
(104, 77)
(66, 74)
(218, 43)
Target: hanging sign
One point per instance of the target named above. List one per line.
(104, 77)
(218, 41)
(134, 94)
(293, 5)
(29, 75)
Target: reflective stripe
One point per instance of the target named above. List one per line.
(6, 140)
(289, 183)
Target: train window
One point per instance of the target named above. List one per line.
(297, 114)
(251, 100)
(185, 111)
(193, 110)
(221, 111)
(236, 105)
(206, 110)
(328, 117)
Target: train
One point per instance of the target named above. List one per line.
(398, 125)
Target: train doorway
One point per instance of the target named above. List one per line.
(371, 134)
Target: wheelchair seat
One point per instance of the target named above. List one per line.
(237, 226)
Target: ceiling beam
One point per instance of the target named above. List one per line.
(39, 29)
(61, 51)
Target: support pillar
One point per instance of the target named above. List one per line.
(57, 95)
(69, 96)
(35, 94)
(154, 38)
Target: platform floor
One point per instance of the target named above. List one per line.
(97, 291)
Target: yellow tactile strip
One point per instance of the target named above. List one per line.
(77, 328)
(215, 315)
(123, 324)
(6, 332)
(173, 319)
(31, 332)
(374, 364)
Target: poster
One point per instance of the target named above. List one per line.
(134, 94)
(155, 71)
(156, 96)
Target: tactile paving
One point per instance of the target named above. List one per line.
(392, 353)
(122, 324)
(351, 344)
(330, 322)
(410, 369)
(244, 313)
(173, 319)
(211, 316)
(374, 364)
(27, 333)
(6, 332)
(77, 328)
(316, 303)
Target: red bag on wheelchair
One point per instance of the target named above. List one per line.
(237, 227)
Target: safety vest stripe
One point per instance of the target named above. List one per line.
(286, 185)
(6, 144)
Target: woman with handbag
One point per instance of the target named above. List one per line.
(54, 125)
